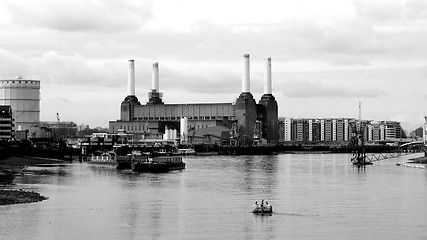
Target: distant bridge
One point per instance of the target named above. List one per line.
(404, 149)
(397, 140)
(414, 143)
(383, 156)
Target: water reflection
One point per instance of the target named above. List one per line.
(360, 169)
(213, 198)
(39, 174)
(260, 174)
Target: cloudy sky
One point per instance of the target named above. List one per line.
(326, 55)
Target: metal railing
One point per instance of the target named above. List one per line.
(382, 156)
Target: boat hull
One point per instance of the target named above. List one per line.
(159, 164)
(263, 209)
(157, 167)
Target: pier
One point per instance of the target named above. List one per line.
(403, 150)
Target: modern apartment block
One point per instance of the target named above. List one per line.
(285, 129)
(336, 129)
(7, 127)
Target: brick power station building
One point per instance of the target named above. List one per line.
(245, 119)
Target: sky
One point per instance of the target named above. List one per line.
(327, 56)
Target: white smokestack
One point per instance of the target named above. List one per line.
(131, 78)
(155, 77)
(267, 76)
(245, 78)
(183, 132)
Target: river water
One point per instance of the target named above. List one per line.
(314, 196)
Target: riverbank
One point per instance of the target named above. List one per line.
(13, 166)
(27, 161)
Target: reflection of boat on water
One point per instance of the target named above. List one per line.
(266, 208)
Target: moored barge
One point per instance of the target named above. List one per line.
(158, 164)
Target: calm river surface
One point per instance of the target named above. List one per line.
(314, 196)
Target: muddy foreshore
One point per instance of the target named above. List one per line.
(8, 197)
(9, 169)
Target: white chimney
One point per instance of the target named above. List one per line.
(245, 78)
(267, 76)
(155, 77)
(131, 78)
(183, 132)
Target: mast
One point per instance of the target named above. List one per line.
(359, 155)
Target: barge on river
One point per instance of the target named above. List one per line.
(107, 159)
(157, 160)
(158, 164)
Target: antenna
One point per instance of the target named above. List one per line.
(360, 111)
(57, 117)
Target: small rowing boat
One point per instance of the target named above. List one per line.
(262, 208)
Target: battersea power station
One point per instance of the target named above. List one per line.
(244, 121)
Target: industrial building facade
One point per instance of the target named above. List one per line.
(336, 130)
(247, 120)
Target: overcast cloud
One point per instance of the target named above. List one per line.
(326, 55)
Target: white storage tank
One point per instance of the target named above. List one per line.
(23, 95)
